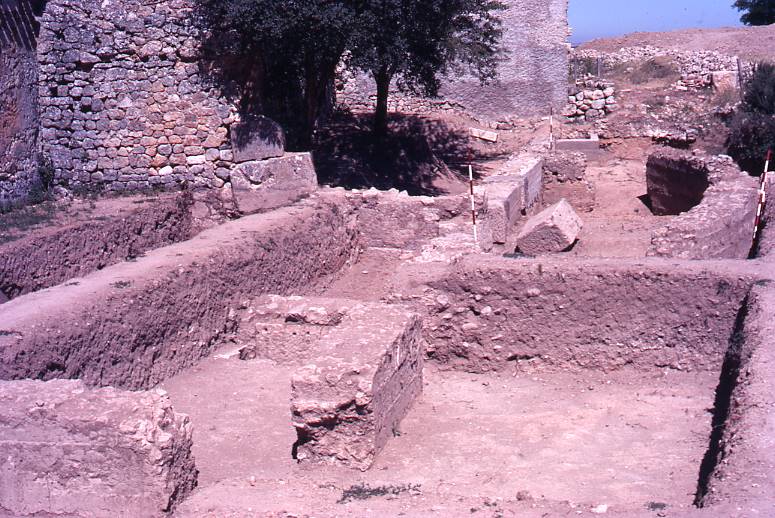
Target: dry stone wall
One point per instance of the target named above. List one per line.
(19, 176)
(123, 104)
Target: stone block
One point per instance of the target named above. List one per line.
(367, 372)
(589, 145)
(553, 230)
(257, 138)
(725, 80)
(268, 184)
(507, 195)
(72, 451)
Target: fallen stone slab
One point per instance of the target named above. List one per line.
(725, 80)
(362, 371)
(134, 324)
(263, 185)
(72, 451)
(257, 138)
(553, 230)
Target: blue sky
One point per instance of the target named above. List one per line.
(597, 18)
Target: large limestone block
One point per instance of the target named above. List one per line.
(257, 138)
(725, 80)
(507, 196)
(552, 230)
(268, 184)
(348, 402)
(72, 451)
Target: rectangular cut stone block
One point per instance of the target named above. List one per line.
(72, 451)
(268, 184)
(350, 399)
(257, 138)
(582, 145)
(507, 195)
(552, 230)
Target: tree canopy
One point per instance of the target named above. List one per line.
(757, 12)
(286, 51)
(417, 41)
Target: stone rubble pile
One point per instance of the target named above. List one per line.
(696, 67)
(590, 99)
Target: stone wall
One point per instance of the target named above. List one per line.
(532, 78)
(123, 104)
(716, 203)
(19, 176)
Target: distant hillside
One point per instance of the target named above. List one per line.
(750, 43)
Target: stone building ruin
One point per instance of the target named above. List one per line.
(109, 96)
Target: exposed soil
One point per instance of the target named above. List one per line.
(747, 42)
(574, 442)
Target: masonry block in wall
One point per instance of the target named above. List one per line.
(267, 184)
(257, 138)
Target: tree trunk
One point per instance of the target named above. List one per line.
(382, 78)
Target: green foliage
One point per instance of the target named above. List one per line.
(280, 55)
(752, 131)
(757, 12)
(759, 93)
(418, 41)
(751, 135)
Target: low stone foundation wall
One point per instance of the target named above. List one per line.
(496, 314)
(47, 258)
(395, 219)
(565, 178)
(73, 451)
(134, 324)
(721, 225)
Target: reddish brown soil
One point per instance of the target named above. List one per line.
(509, 442)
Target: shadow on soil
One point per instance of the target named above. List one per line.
(730, 373)
(419, 155)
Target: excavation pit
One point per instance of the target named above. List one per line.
(550, 386)
(623, 422)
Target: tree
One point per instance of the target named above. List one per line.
(752, 130)
(417, 41)
(281, 48)
(758, 12)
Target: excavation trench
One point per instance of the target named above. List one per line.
(558, 383)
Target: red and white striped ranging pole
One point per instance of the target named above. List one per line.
(473, 202)
(762, 195)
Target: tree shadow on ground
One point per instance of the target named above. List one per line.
(420, 155)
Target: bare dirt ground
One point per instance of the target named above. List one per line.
(486, 445)
(753, 43)
(621, 224)
(50, 216)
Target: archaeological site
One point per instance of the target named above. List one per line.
(550, 293)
